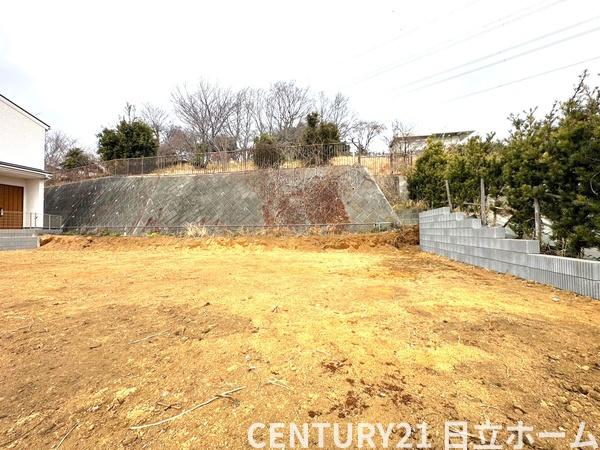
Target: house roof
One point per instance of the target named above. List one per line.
(24, 111)
(30, 172)
(422, 137)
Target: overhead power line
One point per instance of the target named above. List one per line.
(500, 52)
(418, 28)
(530, 77)
(502, 61)
(491, 26)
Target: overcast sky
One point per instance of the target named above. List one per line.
(76, 64)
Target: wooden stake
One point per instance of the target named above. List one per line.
(482, 202)
(448, 194)
(538, 220)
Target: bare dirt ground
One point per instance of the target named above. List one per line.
(102, 334)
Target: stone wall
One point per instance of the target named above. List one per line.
(323, 195)
(466, 240)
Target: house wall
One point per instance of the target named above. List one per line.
(33, 198)
(466, 240)
(21, 137)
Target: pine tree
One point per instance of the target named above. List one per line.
(574, 172)
(525, 166)
(426, 180)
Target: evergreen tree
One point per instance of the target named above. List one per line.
(75, 157)
(319, 139)
(130, 139)
(467, 164)
(525, 166)
(573, 170)
(426, 180)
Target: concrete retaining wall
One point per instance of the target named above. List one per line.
(135, 204)
(394, 187)
(466, 240)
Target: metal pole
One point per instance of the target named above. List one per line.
(482, 205)
(448, 194)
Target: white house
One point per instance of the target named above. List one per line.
(22, 175)
(411, 146)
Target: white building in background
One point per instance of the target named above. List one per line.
(412, 145)
(22, 175)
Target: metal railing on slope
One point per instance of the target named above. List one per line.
(283, 157)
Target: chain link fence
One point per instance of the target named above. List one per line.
(281, 157)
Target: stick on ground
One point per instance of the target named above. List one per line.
(147, 337)
(277, 382)
(66, 435)
(225, 394)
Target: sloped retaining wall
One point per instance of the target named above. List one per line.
(466, 240)
(135, 204)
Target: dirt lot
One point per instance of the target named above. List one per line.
(102, 334)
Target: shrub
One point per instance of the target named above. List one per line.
(267, 153)
(319, 139)
(74, 158)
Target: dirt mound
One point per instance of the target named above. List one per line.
(404, 236)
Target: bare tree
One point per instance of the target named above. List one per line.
(241, 126)
(401, 142)
(129, 113)
(177, 141)
(157, 118)
(224, 119)
(56, 147)
(363, 132)
(207, 111)
(281, 109)
(337, 111)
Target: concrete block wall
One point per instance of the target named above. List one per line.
(18, 239)
(463, 239)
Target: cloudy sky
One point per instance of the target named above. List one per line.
(433, 64)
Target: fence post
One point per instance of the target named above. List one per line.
(142, 166)
(448, 194)
(482, 206)
(538, 220)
